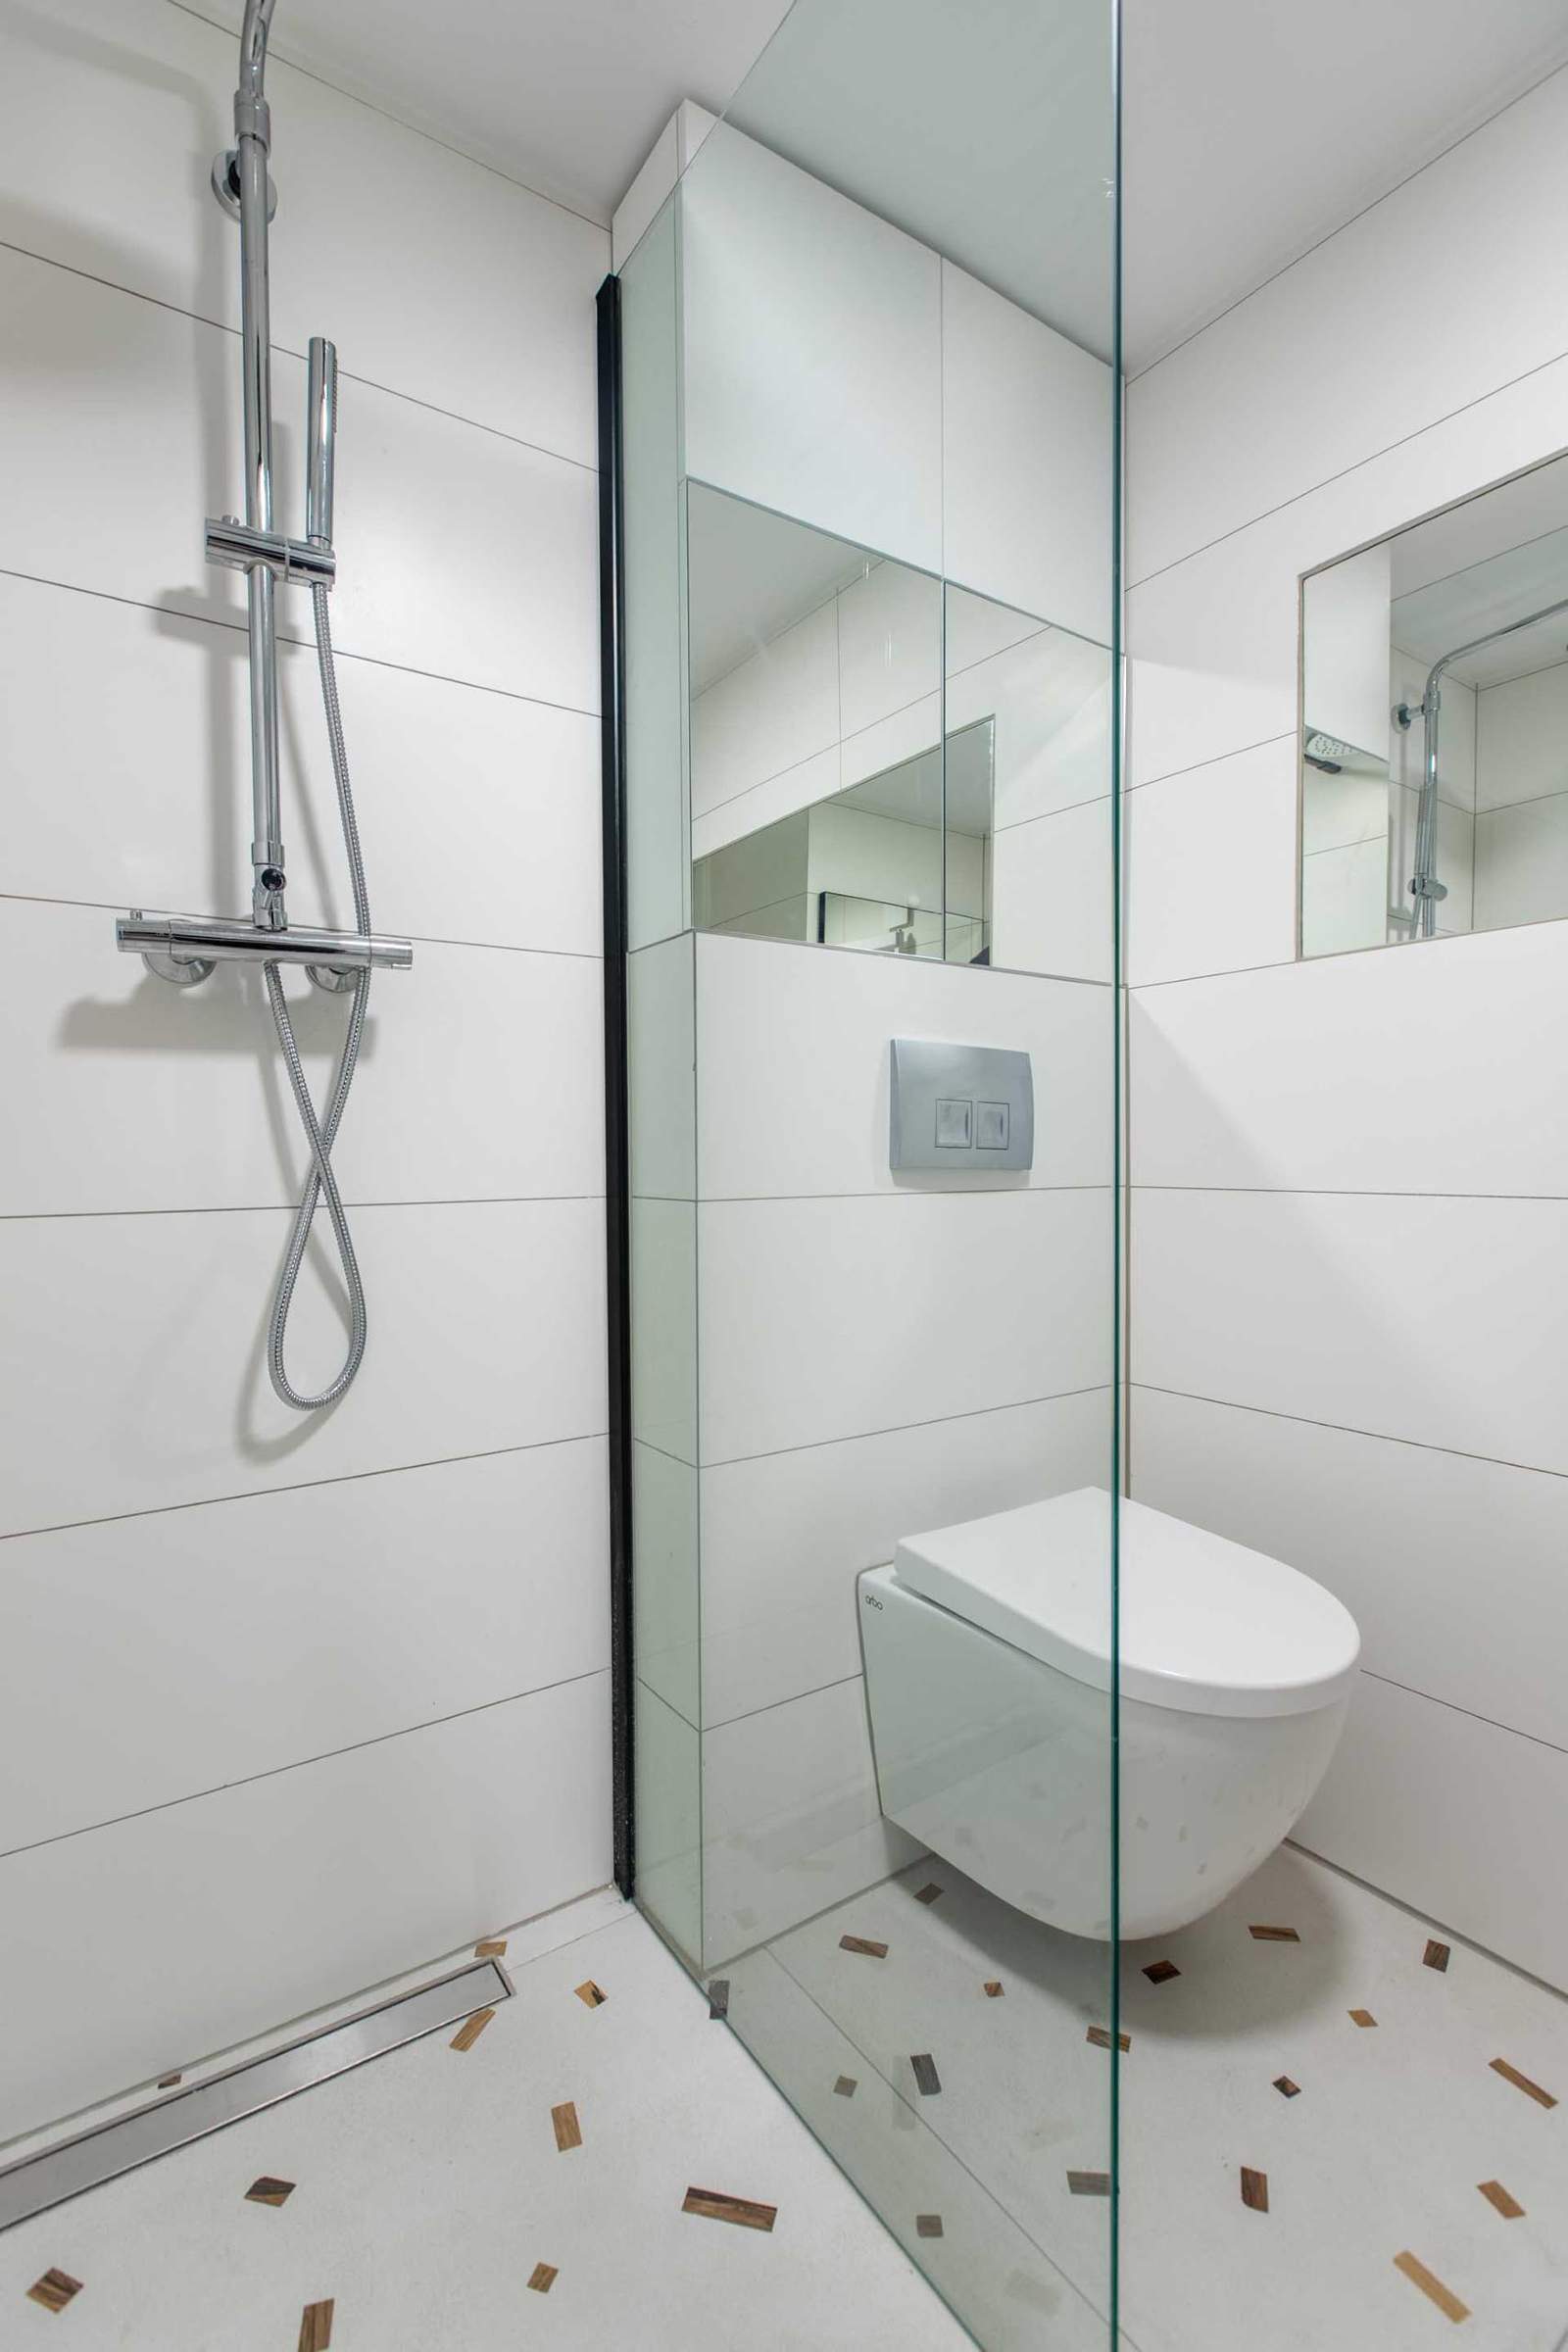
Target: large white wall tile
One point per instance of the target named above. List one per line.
(1521, 854)
(814, 352)
(794, 1056)
(479, 811)
(1193, 474)
(1521, 749)
(791, 1820)
(785, 1535)
(779, 708)
(1456, 1817)
(506, 339)
(1451, 1567)
(461, 553)
(833, 1318)
(661, 1069)
(151, 1658)
(187, 1082)
(1433, 1069)
(133, 1364)
(1054, 895)
(890, 645)
(1367, 1311)
(1026, 482)
(1211, 861)
(184, 1930)
(664, 1325)
(1047, 698)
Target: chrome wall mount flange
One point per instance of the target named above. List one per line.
(226, 184)
(183, 970)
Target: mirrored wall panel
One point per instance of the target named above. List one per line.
(1435, 724)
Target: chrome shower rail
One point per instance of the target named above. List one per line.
(1425, 888)
(186, 948)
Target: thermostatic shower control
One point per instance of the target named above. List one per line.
(959, 1106)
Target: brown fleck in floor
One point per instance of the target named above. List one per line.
(1286, 2087)
(494, 1947)
(542, 2278)
(1496, 2194)
(713, 2206)
(589, 1994)
(846, 2086)
(864, 1944)
(1254, 2189)
(316, 2326)
(169, 2082)
(993, 1989)
(926, 2078)
(468, 2033)
(1267, 1934)
(928, 2224)
(53, 2291)
(1436, 1955)
(1088, 2185)
(269, 2191)
(1362, 2016)
(1100, 2036)
(1532, 2090)
(718, 1997)
(1160, 1972)
(569, 2132)
(929, 1894)
(1446, 2301)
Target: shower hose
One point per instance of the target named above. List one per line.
(321, 1133)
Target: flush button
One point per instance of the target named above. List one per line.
(955, 1123)
(990, 1131)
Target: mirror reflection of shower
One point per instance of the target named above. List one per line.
(1435, 724)
(186, 950)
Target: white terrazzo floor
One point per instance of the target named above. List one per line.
(1380, 2152)
(427, 2187)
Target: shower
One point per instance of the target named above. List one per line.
(183, 949)
(1425, 888)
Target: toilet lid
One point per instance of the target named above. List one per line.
(1206, 1625)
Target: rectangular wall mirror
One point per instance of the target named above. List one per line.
(1435, 724)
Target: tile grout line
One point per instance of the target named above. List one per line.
(298, 1485)
(275, 1772)
(237, 626)
(898, 1429)
(278, 1208)
(178, 310)
(482, 946)
(1346, 1428)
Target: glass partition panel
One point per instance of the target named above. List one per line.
(869, 519)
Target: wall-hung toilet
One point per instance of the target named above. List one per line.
(987, 1674)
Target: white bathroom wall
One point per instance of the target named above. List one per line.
(1350, 1218)
(287, 1705)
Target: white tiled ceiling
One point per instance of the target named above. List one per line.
(1253, 128)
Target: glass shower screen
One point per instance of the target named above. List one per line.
(868, 365)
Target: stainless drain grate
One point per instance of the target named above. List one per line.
(73, 2166)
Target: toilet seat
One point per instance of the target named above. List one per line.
(1206, 1625)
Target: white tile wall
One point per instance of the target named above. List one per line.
(1496, 1801)
(1522, 862)
(344, 1872)
(814, 352)
(1521, 738)
(1343, 1076)
(1480, 215)
(782, 1031)
(326, 1593)
(1387, 1261)
(833, 1318)
(1026, 420)
(183, 1627)
(1210, 868)
(1053, 894)
(785, 1535)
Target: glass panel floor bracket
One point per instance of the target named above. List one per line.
(71, 2166)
